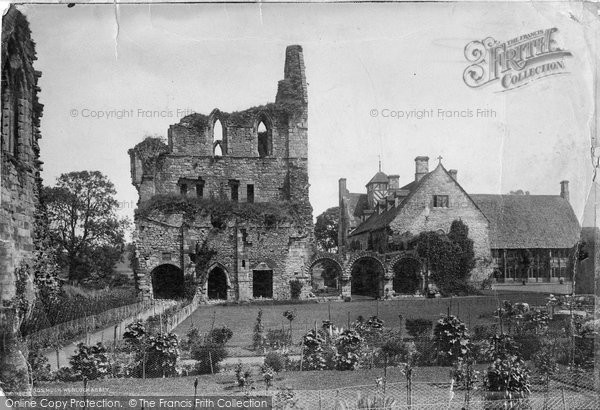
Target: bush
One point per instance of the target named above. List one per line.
(205, 355)
(275, 361)
(451, 340)
(90, 362)
(40, 367)
(426, 354)
(349, 345)
(295, 288)
(418, 327)
(161, 355)
(277, 338)
(219, 336)
(66, 374)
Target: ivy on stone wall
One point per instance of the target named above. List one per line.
(149, 150)
(219, 211)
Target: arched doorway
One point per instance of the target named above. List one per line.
(217, 284)
(367, 277)
(325, 277)
(167, 282)
(407, 276)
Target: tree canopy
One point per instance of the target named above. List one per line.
(326, 230)
(84, 225)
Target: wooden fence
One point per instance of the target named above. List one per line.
(78, 328)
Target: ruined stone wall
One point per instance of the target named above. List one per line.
(279, 175)
(20, 179)
(240, 246)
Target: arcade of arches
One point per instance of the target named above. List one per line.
(367, 277)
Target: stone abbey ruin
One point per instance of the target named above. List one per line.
(226, 200)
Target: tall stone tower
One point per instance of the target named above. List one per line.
(231, 185)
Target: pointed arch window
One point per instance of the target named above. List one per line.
(265, 142)
(218, 137)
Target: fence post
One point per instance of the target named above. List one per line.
(320, 405)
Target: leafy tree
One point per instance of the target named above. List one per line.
(519, 192)
(326, 230)
(83, 221)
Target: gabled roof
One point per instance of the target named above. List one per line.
(378, 178)
(380, 221)
(357, 204)
(529, 221)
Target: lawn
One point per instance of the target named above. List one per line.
(473, 310)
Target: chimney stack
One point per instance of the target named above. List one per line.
(564, 189)
(421, 167)
(454, 174)
(393, 181)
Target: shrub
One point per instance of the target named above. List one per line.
(67, 374)
(207, 355)
(243, 376)
(394, 350)
(40, 367)
(418, 327)
(277, 338)
(426, 355)
(295, 288)
(161, 355)
(348, 344)
(219, 336)
(451, 340)
(275, 361)
(90, 362)
(312, 345)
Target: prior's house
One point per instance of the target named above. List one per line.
(511, 233)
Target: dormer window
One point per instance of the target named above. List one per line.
(440, 201)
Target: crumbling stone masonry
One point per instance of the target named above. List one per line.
(20, 178)
(226, 200)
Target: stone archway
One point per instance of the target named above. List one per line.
(167, 282)
(367, 277)
(217, 283)
(325, 271)
(407, 278)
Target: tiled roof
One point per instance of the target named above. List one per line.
(379, 178)
(529, 221)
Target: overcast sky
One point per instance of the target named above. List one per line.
(359, 58)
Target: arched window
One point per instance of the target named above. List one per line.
(264, 139)
(218, 139)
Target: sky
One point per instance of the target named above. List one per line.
(364, 62)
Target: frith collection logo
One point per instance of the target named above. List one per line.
(516, 62)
